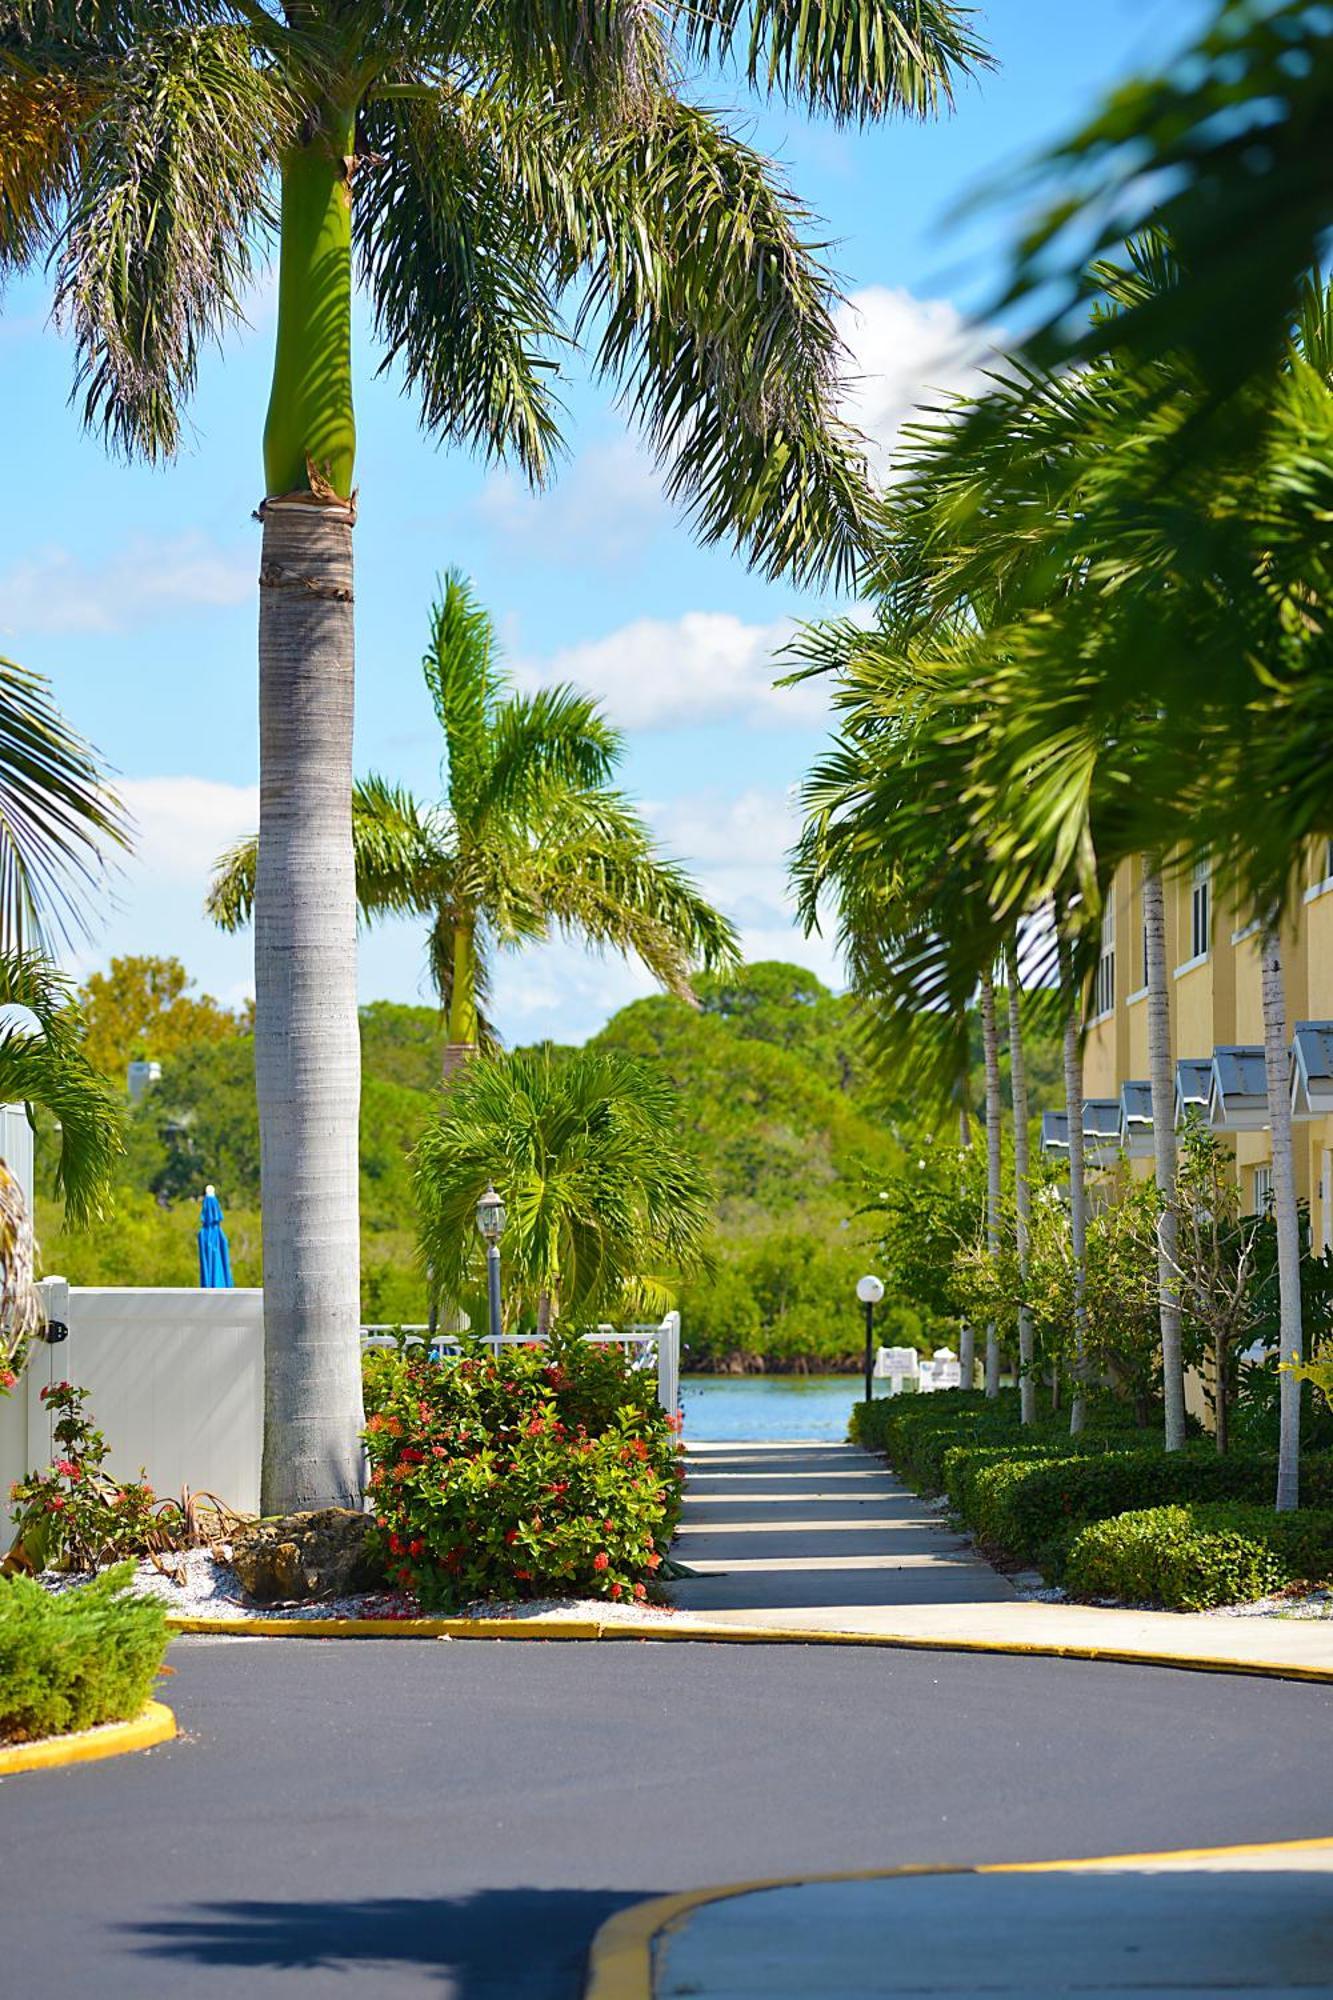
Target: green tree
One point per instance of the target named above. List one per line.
(142, 1007)
(530, 835)
(485, 168)
(606, 1208)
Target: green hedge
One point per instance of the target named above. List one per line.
(923, 1437)
(1028, 1493)
(1190, 1558)
(1030, 1509)
(90, 1655)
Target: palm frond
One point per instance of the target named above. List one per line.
(156, 252)
(57, 814)
(1223, 149)
(46, 1067)
(40, 115)
(462, 675)
(711, 308)
(553, 737)
(461, 289)
(854, 59)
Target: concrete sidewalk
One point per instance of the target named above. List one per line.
(1258, 1921)
(822, 1539)
(816, 1533)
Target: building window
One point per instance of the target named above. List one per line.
(1263, 1190)
(1201, 897)
(1103, 985)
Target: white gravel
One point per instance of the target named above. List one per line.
(200, 1586)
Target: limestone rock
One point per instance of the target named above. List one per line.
(321, 1553)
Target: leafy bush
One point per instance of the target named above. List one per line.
(551, 1471)
(1027, 1492)
(69, 1662)
(75, 1515)
(1189, 1558)
(1030, 1509)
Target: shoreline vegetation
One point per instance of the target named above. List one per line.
(773, 1091)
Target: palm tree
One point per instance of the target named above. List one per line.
(1072, 996)
(887, 836)
(1018, 1091)
(530, 835)
(1184, 669)
(606, 1207)
(483, 167)
(1286, 1217)
(1161, 1075)
(990, 1045)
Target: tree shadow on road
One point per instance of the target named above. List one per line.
(525, 1944)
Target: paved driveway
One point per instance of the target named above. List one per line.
(399, 1817)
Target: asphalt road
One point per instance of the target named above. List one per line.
(399, 1817)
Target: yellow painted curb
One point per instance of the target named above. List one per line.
(620, 1961)
(737, 1635)
(156, 1724)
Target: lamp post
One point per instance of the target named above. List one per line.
(870, 1291)
(491, 1222)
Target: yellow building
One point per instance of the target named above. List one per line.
(1217, 1030)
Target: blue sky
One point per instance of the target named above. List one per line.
(133, 589)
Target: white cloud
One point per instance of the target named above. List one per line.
(905, 353)
(705, 666)
(55, 591)
(183, 824)
(604, 508)
(738, 849)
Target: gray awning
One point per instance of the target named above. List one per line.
(1312, 1069)
(1194, 1083)
(1055, 1134)
(1136, 1119)
(1101, 1130)
(1238, 1099)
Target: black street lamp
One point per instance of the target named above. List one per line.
(870, 1291)
(491, 1222)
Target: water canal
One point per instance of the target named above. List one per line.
(812, 1407)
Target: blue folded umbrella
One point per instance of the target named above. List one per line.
(214, 1255)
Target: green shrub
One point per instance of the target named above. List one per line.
(75, 1515)
(1028, 1507)
(1026, 1492)
(552, 1471)
(1190, 1558)
(90, 1655)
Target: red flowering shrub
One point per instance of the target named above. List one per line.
(75, 1515)
(551, 1472)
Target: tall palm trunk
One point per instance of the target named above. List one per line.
(990, 1043)
(1018, 1091)
(307, 1048)
(461, 1029)
(967, 1339)
(1078, 1208)
(1286, 1216)
(1163, 1088)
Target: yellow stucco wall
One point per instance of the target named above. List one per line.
(1216, 1001)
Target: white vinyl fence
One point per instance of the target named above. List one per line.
(175, 1381)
